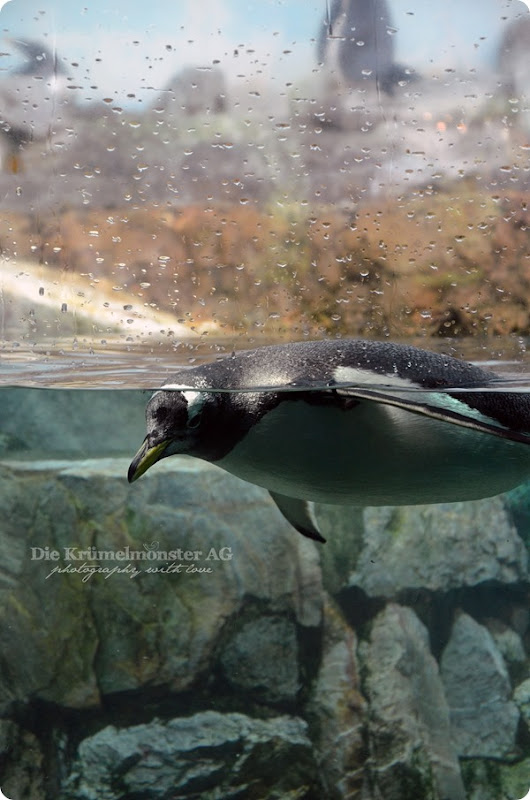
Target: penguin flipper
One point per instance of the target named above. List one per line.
(300, 514)
(450, 410)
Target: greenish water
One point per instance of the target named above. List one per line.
(410, 626)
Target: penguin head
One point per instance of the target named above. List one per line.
(178, 423)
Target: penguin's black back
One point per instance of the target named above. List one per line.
(312, 366)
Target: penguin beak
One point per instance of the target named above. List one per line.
(145, 458)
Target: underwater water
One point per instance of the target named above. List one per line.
(178, 638)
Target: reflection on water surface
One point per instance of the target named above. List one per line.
(119, 366)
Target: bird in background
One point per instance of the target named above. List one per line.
(513, 63)
(356, 45)
(33, 101)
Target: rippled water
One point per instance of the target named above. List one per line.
(117, 366)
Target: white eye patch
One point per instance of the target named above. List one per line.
(194, 399)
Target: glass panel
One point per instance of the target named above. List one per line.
(181, 182)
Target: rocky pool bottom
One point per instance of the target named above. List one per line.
(177, 639)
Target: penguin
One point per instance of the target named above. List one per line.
(349, 422)
(512, 56)
(514, 70)
(32, 97)
(356, 44)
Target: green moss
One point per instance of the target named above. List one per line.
(515, 779)
(482, 776)
(395, 523)
(417, 778)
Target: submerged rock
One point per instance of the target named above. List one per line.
(339, 711)
(262, 658)
(208, 755)
(493, 780)
(508, 641)
(483, 717)
(218, 603)
(434, 547)
(521, 698)
(410, 740)
(22, 771)
(159, 621)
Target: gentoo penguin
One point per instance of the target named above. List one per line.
(348, 422)
(356, 44)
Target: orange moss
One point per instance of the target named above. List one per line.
(441, 264)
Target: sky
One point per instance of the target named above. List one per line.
(130, 47)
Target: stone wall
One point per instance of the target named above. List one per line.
(390, 663)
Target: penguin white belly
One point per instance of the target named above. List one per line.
(373, 454)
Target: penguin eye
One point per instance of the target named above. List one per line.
(195, 421)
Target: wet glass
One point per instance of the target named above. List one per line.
(180, 183)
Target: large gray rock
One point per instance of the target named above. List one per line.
(209, 755)
(438, 547)
(508, 641)
(263, 657)
(483, 717)
(158, 622)
(411, 747)
(339, 711)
